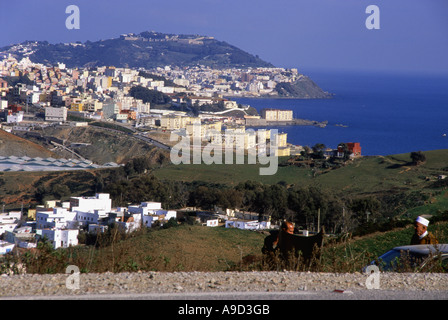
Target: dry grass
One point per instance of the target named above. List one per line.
(196, 248)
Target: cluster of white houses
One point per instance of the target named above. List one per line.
(61, 222)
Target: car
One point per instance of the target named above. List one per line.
(414, 258)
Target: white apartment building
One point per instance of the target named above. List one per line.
(3, 104)
(32, 97)
(56, 218)
(173, 122)
(277, 115)
(56, 114)
(100, 202)
(126, 77)
(87, 218)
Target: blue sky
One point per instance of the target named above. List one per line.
(305, 34)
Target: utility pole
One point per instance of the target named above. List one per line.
(318, 220)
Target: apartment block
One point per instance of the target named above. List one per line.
(55, 114)
(277, 115)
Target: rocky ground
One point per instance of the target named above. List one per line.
(158, 282)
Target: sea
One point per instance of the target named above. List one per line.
(386, 113)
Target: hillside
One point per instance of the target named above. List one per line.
(11, 145)
(100, 145)
(365, 175)
(188, 248)
(303, 88)
(147, 50)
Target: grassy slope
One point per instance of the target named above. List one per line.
(366, 175)
(198, 248)
(183, 248)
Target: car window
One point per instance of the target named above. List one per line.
(389, 260)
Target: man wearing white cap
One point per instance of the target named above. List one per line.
(422, 235)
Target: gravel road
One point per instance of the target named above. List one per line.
(203, 282)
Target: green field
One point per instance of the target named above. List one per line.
(365, 175)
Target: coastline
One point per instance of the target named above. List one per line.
(294, 122)
(331, 96)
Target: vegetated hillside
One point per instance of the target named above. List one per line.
(303, 88)
(357, 197)
(367, 175)
(147, 50)
(11, 145)
(33, 188)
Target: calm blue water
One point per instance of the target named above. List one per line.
(387, 114)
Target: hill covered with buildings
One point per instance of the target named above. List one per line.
(146, 50)
(151, 50)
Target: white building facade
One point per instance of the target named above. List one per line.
(100, 202)
(61, 238)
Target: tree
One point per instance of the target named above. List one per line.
(365, 207)
(418, 158)
(147, 95)
(318, 151)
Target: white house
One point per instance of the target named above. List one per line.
(87, 218)
(61, 238)
(10, 217)
(9, 221)
(6, 247)
(248, 224)
(14, 117)
(148, 220)
(4, 227)
(56, 218)
(22, 237)
(129, 226)
(96, 228)
(145, 208)
(148, 209)
(101, 202)
(212, 223)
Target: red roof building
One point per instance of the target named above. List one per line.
(353, 148)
